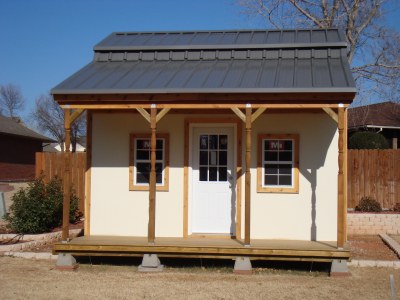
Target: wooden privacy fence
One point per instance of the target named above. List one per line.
(374, 173)
(52, 164)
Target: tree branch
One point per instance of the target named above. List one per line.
(307, 14)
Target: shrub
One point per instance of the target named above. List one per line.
(396, 207)
(368, 140)
(38, 208)
(369, 204)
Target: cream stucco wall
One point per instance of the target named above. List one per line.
(290, 216)
(117, 211)
(114, 209)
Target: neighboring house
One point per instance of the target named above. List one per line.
(55, 147)
(380, 117)
(244, 130)
(17, 151)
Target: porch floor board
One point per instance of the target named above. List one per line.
(203, 248)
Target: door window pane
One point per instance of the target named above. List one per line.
(203, 173)
(213, 139)
(223, 158)
(213, 157)
(203, 157)
(204, 142)
(223, 174)
(223, 141)
(213, 174)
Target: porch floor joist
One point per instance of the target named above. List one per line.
(287, 250)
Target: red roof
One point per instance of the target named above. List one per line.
(381, 114)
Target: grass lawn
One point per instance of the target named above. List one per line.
(38, 279)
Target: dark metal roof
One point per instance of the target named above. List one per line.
(15, 127)
(242, 39)
(293, 61)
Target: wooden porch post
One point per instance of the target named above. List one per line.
(67, 175)
(152, 188)
(341, 222)
(247, 189)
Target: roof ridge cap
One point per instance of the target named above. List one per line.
(221, 30)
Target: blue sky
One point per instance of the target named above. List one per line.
(45, 41)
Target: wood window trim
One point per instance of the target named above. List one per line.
(132, 148)
(263, 189)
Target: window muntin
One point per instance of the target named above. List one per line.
(278, 163)
(140, 166)
(213, 157)
(142, 161)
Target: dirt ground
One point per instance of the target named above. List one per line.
(37, 279)
(369, 247)
(395, 237)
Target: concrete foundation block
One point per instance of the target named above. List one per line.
(339, 268)
(150, 263)
(243, 266)
(66, 262)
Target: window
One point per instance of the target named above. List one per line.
(213, 157)
(139, 167)
(278, 163)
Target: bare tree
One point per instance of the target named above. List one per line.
(49, 117)
(373, 50)
(11, 99)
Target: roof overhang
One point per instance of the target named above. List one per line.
(240, 99)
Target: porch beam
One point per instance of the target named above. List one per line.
(331, 113)
(341, 184)
(67, 175)
(239, 113)
(76, 114)
(144, 106)
(247, 188)
(152, 188)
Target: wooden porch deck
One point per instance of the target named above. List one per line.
(287, 250)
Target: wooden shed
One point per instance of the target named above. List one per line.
(214, 144)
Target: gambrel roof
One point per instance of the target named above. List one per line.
(215, 62)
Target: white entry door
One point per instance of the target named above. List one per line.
(213, 189)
